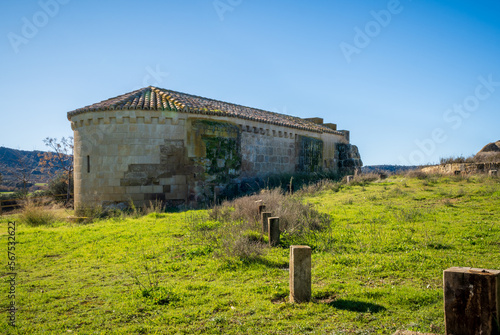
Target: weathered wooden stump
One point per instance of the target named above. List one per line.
(350, 178)
(262, 208)
(493, 173)
(264, 220)
(300, 273)
(274, 231)
(471, 301)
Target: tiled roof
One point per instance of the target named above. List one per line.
(153, 98)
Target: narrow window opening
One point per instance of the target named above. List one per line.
(88, 164)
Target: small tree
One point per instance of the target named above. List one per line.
(59, 159)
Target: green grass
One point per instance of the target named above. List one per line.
(377, 269)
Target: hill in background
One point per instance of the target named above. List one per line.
(19, 165)
(392, 169)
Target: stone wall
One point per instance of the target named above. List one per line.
(264, 154)
(462, 168)
(181, 158)
(123, 156)
(348, 157)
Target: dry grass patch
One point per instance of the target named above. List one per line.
(295, 216)
(40, 212)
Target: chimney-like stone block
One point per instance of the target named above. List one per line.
(316, 120)
(332, 126)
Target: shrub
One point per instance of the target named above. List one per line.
(59, 185)
(456, 160)
(238, 232)
(366, 178)
(294, 215)
(246, 246)
(417, 174)
(156, 207)
(38, 212)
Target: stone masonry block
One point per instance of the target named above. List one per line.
(180, 179)
(147, 189)
(166, 181)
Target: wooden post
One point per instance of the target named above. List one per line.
(262, 208)
(274, 231)
(300, 273)
(264, 219)
(471, 301)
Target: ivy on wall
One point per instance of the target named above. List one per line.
(310, 154)
(222, 157)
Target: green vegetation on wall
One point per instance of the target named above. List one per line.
(222, 156)
(310, 155)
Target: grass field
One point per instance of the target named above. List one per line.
(377, 268)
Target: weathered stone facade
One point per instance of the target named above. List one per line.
(132, 151)
(462, 168)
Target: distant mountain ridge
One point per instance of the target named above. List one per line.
(388, 168)
(14, 162)
(11, 157)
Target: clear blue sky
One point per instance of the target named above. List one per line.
(412, 80)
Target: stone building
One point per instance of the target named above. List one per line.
(159, 144)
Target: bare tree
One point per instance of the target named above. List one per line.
(60, 158)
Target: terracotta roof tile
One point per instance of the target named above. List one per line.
(153, 98)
